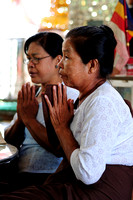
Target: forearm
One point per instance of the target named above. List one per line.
(39, 133)
(67, 141)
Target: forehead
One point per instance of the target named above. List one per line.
(68, 46)
(35, 47)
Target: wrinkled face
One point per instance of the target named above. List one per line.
(72, 70)
(44, 70)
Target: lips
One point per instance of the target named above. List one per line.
(63, 76)
(60, 72)
(32, 74)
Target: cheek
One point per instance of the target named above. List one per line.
(45, 69)
(72, 77)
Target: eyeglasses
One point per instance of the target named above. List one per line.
(34, 60)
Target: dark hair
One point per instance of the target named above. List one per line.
(95, 43)
(49, 41)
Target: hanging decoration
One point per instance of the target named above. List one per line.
(122, 25)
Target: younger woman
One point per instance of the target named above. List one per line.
(27, 130)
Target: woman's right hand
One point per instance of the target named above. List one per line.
(62, 111)
(61, 114)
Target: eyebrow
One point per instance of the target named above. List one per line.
(66, 50)
(33, 54)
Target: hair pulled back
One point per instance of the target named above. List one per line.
(93, 42)
(49, 41)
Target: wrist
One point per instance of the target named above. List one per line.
(29, 122)
(62, 129)
(19, 121)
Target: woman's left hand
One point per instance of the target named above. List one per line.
(62, 111)
(27, 105)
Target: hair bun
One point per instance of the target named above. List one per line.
(109, 33)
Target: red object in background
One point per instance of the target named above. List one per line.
(122, 25)
(130, 61)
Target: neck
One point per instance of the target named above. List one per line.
(52, 82)
(88, 90)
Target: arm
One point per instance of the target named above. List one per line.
(14, 134)
(95, 128)
(98, 125)
(61, 115)
(39, 133)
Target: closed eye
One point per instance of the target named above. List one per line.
(34, 58)
(66, 57)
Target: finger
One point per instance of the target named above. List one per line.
(54, 96)
(64, 94)
(71, 107)
(24, 92)
(28, 92)
(48, 103)
(19, 100)
(36, 102)
(59, 93)
(22, 88)
(33, 92)
(20, 97)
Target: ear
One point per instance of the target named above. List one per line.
(93, 66)
(58, 59)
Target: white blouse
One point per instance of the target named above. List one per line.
(103, 127)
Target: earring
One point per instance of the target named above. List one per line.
(56, 66)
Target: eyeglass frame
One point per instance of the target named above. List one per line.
(34, 60)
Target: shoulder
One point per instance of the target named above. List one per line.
(106, 92)
(107, 99)
(105, 96)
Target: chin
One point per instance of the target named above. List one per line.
(35, 81)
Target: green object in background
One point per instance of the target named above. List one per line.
(8, 105)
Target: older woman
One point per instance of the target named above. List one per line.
(96, 136)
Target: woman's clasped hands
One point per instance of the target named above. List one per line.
(62, 111)
(27, 105)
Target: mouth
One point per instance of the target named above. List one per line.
(60, 73)
(63, 76)
(32, 74)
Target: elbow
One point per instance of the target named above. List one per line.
(88, 180)
(7, 136)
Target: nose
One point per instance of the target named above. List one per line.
(31, 64)
(60, 64)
